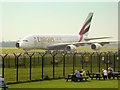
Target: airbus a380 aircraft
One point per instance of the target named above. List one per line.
(62, 42)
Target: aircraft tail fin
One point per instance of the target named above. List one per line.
(85, 28)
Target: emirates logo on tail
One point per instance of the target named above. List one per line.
(86, 27)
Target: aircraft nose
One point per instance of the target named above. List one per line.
(18, 45)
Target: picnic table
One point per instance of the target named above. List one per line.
(72, 77)
(116, 74)
(95, 75)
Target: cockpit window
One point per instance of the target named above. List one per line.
(25, 40)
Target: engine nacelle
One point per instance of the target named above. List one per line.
(96, 46)
(70, 48)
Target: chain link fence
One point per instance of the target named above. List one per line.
(24, 67)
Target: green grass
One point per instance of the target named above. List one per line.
(61, 83)
(16, 50)
(10, 71)
(24, 73)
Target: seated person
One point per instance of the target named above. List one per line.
(84, 73)
(2, 83)
(110, 72)
(77, 74)
(105, 74)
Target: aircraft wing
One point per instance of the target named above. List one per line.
(102, 42)
(94, 38)
(62, 46)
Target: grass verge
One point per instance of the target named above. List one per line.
(61, 83)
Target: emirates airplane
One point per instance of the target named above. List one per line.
(63, 42)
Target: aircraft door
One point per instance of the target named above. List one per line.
(35, 42)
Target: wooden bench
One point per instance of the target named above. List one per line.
(72, 77)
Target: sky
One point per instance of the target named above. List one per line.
(19, 19)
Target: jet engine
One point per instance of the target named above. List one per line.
(96, 46)
(70, 48)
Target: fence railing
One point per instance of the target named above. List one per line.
(18, 67)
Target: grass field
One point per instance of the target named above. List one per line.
(23, 72)
(61, 83)
(16, 50)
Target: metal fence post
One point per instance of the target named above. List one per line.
(30, 56)
(16, 59)
(91, 60)
(99, 61)
(64, 54)
(115, 60)
(53, 55)
(53, 66)
(3, 66)
(107, 61)
(42, 66)
(83, 59)
(30, 66)
(118, 59)
(74, 57)
(42, 55)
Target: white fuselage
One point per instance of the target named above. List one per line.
(43, 41)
